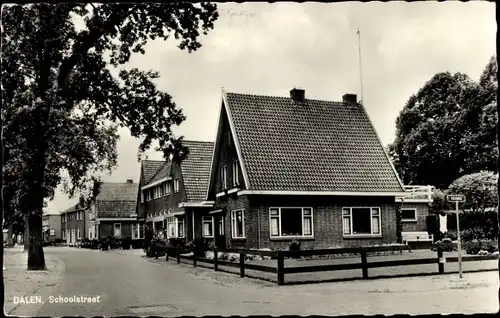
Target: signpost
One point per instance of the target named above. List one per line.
(457, 198)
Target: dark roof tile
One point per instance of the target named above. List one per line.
(310, 146)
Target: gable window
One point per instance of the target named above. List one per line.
(208, 226)
(364, 221)
(236, 173)
(223, 177)
(408, 214)
(166, 188)
(161, 190)
(228, 137)
(176, 185)
(151, 194)
(291, 222)
(238, 223)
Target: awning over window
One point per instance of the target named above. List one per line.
(216, 211)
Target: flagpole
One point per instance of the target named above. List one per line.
(360, 66)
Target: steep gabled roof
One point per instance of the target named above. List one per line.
(117, 199)
(164, 172)
(312, 146)
(196, 169)
(149, 169)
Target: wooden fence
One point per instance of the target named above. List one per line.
(363, 252)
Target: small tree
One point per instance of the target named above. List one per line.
(480, 190)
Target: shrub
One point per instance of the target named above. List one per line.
(200, 246)
(473, 247)
(492, 246)
(126, 243)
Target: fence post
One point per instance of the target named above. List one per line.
(216, 259)
(242, 265)
(440, 260)
(281, 267)
(178, 250)
(364, 264)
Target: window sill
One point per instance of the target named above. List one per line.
(362, 236)
(409, 221)
(208, 237)
(238, 238)
(291, 238)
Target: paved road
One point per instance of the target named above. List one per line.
(129, 284)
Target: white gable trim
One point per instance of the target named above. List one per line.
(332, 193)
(236, 143)
(158, 182)
(196, 204)
(381, 145)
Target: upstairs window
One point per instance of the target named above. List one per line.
(223, 177)
(236, 173)
(176, 185)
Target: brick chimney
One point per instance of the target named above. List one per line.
(298, 95)
(130, 181)
(350, 98)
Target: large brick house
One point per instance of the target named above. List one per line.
(291, 168)
(51, 226)
(114, 211)
(172, 196)
(74, 222)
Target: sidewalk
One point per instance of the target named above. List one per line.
(19, 282)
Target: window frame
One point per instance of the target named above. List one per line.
(223, 177)
(114, 228)
(233, 223)
(205, 220)
(236, 173)
(177, 185)
(409, 220)
(371, 234)
(175, 221)
(280, 233)
(221, 226)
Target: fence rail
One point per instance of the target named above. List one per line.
(363, 252)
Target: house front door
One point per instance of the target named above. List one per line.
(73, 236)
(68, 237)
(220, 237)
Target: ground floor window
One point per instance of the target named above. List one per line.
(63, 235)
(361, 221)
(220, 223)
(137, 231)
(118, 230)
(208, 226)
(408, 214)
(238, 223)
(175, 227)
(91, 232)
(78, 234)
(291, 222)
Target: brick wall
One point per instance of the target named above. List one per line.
(422, 213)
(327, 220)
(106, 228)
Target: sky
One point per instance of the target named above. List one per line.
(268, 49)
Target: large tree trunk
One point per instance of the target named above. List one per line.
(36, 258)
(26, 234)
(10, 231)
(498, 191)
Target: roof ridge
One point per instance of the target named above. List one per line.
(287, 97)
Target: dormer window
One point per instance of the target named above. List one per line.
(176, 185)
(236, 174)
(223, 177)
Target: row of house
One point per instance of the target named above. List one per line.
(279, 169)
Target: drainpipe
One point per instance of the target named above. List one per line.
(258, 228)
(192, 223)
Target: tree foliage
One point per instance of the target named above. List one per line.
(447, 129)
(480, 190)
(62, 105)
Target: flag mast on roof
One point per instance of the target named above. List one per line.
(360, 67)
